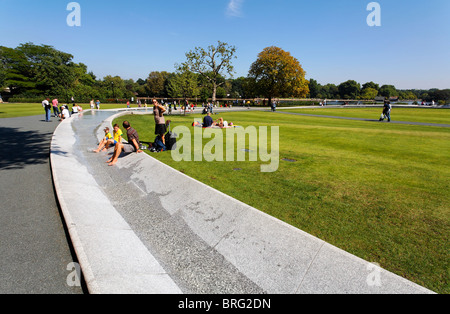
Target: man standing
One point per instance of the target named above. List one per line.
(132, 146)
(47, 108)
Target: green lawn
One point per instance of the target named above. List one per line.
(426, 114)
(379, 191)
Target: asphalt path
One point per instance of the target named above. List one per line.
(35, 254)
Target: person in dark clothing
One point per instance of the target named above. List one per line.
(208, 121)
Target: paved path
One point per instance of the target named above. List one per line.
(362, 119)
(34, 249)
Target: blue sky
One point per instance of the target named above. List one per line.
(330, 38)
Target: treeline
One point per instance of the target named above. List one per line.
(369, 91)
(30, 72)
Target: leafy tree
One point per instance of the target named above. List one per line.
(369, 93)
(442, 95)
(331, 91)
(371, 85)
(388, 91)
(156, 84)
(17, 71)
(314, 88)
(212, 64)
(183, 85)
(276, 73)
(350, 89)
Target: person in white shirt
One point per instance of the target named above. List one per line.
(47, 108)
(65, 114)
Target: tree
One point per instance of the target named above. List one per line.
(276, 73)
(388, 91)
(371, 85)
(212, 64)
(156, 84)
(350, 89)
(314, 88)
(369, 93)
(183, 85)
(17, 71)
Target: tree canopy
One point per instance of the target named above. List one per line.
(276, 73)
(212, 63)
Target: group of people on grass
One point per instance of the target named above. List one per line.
(208, 122)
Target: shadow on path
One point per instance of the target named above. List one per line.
(21, 148)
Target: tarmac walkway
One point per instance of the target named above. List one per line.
(34, 248)
(143, 227)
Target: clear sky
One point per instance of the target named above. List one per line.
(330, 38)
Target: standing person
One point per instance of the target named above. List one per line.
(160, 122)
(274, 106)
(132, 146)
(386, 111)
(47, 108)
(92, 104)
(56, 111)
(97, 103)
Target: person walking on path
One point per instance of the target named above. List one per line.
(386, 111)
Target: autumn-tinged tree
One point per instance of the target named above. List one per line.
(212, 63)
(276, 73)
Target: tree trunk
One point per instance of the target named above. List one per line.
(214, 93)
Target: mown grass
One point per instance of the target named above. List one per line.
(425, 115)
(379, 191)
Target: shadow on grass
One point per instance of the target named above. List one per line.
(21, 148)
